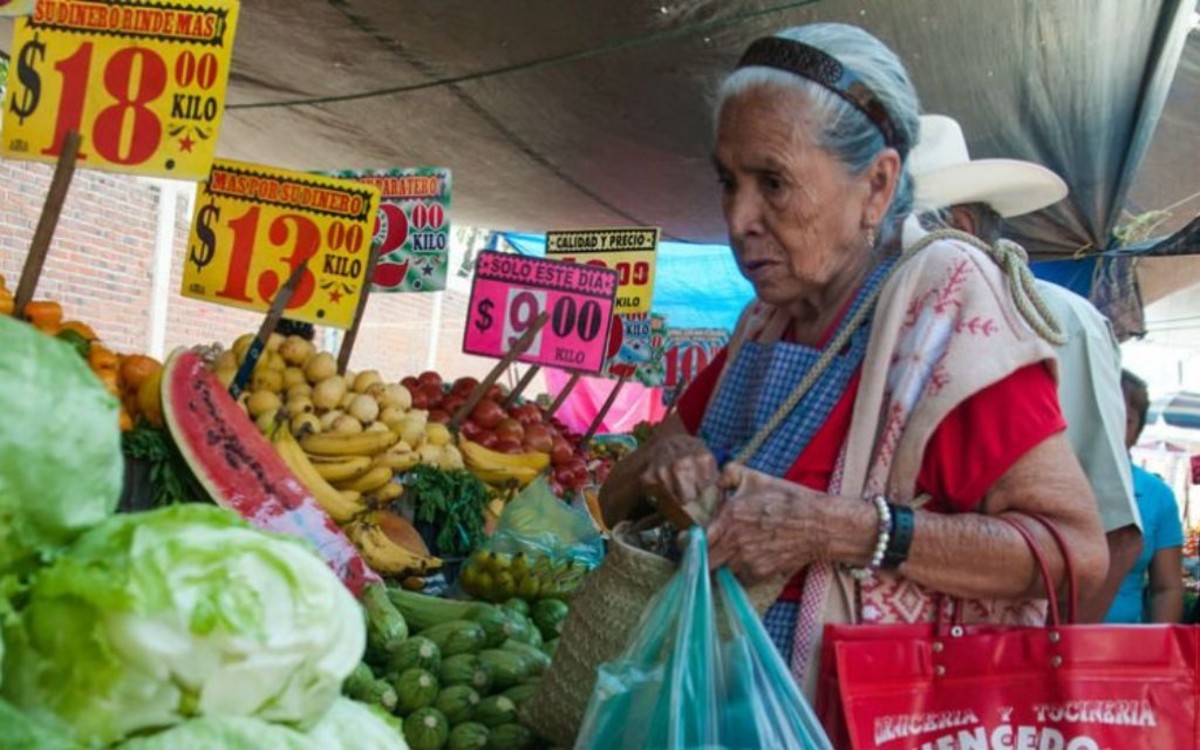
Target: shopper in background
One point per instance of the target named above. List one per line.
(1160, 600)
(976, 196)
(890, 395)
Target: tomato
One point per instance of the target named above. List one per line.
(494, 393)
(561, 453)
(537, 438)
(486, 438)
(487, 414)
(433, 395)
(533, 411)
(453, 402)
(420, 399)
(564, 478)
(510, 428)
(429, 377)
(440, 416)
(464, 386)
(470, 430)
(508, 445)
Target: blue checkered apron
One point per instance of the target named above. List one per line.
(755, 385)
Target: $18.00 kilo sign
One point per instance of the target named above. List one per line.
(143, 81)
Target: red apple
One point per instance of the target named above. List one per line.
(510, 428)
(561, 453)
(537, 438)
(420, 399)
(494, 393)
(470, 430)
(410, 383)
(486, 438)
(453, 402)
(487, 414)
(508, 445)
(441, 416)
(433, 395)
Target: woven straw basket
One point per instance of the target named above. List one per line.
(604, 612)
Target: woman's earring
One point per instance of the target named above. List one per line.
(870, 238)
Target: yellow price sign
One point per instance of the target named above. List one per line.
(630, 252)
(143, 81)
(16, 7)
(253, 225)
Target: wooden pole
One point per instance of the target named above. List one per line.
(522, 384)
(517, 350)
(605, 409)
(48, 222)
(352, 334)
(562, 397)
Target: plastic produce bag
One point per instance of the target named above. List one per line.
(700, 672)
(542, 548)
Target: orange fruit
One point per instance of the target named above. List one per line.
(83, 329)
(124, 421)
(111, 381)
(136, 368)
(102, 359)
(149, 398)
(45, 315)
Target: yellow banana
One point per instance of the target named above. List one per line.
(475, 454)
(397, 461)
(499, 476)
(343, 469)
(342, 444)
(385, 556)
(374, 478)
(387, 493)
(340, 507)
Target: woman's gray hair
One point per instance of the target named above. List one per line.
(844, 131)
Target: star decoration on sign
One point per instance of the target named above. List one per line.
(186, 143)
(335, 296)
(427, 269)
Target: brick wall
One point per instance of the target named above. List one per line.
(100, 268)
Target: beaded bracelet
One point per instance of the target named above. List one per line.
(881, 542)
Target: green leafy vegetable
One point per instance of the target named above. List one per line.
(60, 453)
(153, 618)
(171, 480)
(453, 502)
(19, 731)
(349, 725)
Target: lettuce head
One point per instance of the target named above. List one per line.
(350, 725)
(19, 731)
(60, 453)
(223, 733)
(152, 618)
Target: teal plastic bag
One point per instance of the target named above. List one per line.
(686, 682)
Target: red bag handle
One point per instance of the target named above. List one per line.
(1044, 569)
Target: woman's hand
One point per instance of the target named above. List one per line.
(769, 527)
(681, 468)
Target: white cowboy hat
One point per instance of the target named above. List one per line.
(945, 175)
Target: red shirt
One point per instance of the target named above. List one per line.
(973, 447)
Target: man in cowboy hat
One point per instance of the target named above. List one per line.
(976, 196)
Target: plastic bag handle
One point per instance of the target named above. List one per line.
(1040, 560)
(1068, 565)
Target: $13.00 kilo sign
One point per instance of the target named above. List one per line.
(143, 81)
(253, 225)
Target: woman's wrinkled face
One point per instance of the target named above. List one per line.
(794, 213)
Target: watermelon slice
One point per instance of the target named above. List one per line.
(241, 470)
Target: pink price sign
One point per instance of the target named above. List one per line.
(510, 291)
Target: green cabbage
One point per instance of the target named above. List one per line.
(60, 451)
(21, 732)
(223, 733)
(153, 618)
(350, 725)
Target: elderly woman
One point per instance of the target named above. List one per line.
(879, 405)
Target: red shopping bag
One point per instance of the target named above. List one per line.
(991, 687)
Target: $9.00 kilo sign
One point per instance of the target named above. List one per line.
(510, 291)
(253, 225)
(143, 81)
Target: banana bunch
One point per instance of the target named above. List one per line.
(342, 506)
(363, 463)
(497, 576)
(385, 555)
(502, 469)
